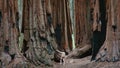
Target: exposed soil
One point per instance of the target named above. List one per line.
(86, 63)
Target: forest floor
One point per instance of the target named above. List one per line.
(80, 63)
(86, 63)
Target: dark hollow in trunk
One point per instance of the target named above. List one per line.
(99, 36)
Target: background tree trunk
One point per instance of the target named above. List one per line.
(61, 10)
(83, 33)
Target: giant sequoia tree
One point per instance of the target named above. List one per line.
(9, 34)
(110, 48)
(83, 28)
(27, 30)
(61, 16)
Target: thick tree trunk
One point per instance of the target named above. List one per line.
(9, 25)
(62, 24)
(40, 42)
(110, 48)
(28, 27)
(83, 33)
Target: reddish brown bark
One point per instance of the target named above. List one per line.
(110, 48)
(83, 27)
